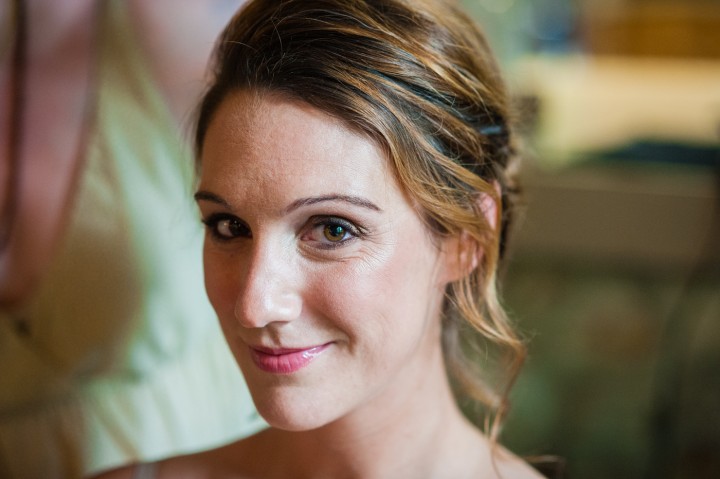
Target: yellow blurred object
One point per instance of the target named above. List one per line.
(591, 103)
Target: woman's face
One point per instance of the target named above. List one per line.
(327, 284)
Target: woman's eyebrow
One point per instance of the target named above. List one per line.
(311, 200)
(355, 200)
(212, 197)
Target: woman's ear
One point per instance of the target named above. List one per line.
(489, 206)
(462, 255)
(463, 252)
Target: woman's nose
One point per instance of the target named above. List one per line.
(268, 291)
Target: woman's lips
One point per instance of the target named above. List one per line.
(285, 360)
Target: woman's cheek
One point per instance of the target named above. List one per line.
(354, 296)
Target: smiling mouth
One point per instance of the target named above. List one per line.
(285, 361)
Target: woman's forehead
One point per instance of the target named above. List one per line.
(258, 140)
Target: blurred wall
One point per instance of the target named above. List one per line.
(615, 271)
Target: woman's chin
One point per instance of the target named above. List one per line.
(294, 420)
(291, 408)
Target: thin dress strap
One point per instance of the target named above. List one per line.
(145, 470)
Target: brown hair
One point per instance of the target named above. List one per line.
(418, 78)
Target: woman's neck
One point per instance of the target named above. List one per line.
(404, 432)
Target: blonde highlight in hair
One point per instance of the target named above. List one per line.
(418, 78)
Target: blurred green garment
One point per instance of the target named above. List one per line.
(122, 358)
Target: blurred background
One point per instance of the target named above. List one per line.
(615, 269)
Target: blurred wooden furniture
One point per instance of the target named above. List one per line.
(660, 28)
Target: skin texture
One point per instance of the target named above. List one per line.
(373, 297)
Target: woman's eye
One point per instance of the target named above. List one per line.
(227, 227)
(332, 232)
(335, 233)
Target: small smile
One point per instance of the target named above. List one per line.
(285, 360)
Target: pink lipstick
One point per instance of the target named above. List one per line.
(285, 361)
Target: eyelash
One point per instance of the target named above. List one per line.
(213, 221)
(212, 224)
